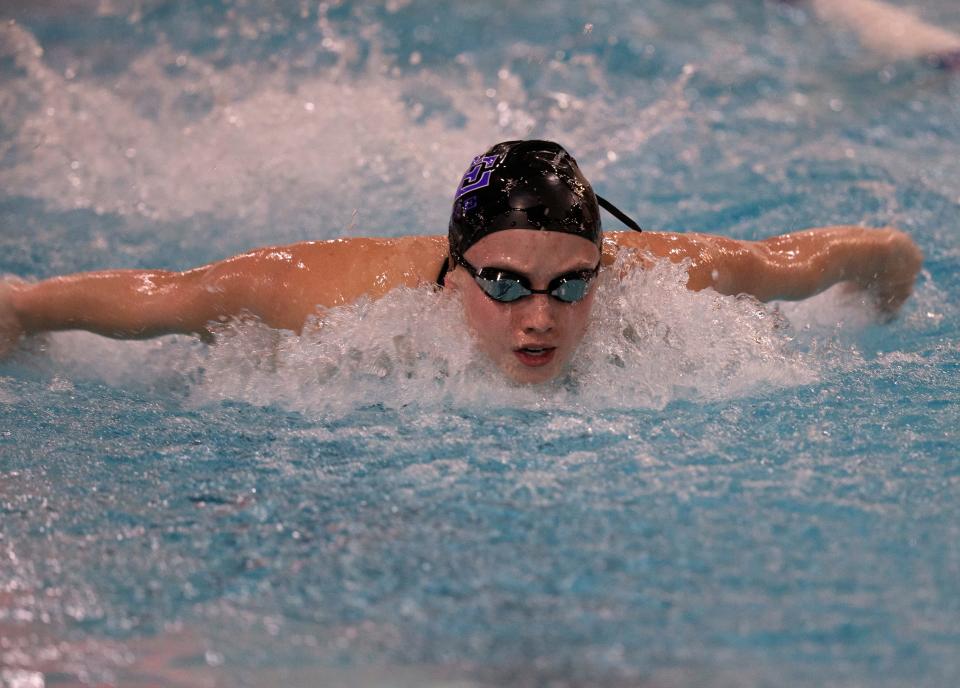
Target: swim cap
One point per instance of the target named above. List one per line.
(523, 185)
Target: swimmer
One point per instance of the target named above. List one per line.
(523, 250)
(890, 31)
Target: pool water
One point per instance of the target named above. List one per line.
(720, 493)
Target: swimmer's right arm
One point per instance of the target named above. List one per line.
(280, 286)
(138, 304)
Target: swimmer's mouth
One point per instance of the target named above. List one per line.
(535, 355)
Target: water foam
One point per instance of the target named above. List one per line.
(175, 136)
(651, 342)
(261, 150)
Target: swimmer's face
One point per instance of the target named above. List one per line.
(532, 339)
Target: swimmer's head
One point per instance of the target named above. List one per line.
(525, 244)
(523, 185)
(527, 296)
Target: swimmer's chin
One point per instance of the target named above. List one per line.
(537, 378)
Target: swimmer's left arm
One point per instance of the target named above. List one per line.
(883, 262)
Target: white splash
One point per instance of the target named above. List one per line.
(651, 342)
(261, 146)
(257, 148)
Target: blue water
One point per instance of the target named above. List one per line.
(720, 494)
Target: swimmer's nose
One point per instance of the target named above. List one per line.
(537, 313)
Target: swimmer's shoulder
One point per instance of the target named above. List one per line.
(372, 248)
(342, 270)
(676, 246)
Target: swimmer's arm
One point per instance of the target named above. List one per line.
(138, 304)
(280, 286)
(883, 262)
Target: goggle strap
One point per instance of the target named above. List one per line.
(617, 213)
(444, 269)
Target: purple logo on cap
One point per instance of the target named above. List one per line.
(478, 176)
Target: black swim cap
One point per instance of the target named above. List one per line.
(523, 185)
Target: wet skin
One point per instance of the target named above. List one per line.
(286, 286)
(530, 340)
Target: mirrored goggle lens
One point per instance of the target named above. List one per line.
(570, 290)
(506, 289)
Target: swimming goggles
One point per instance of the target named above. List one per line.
(505, 286)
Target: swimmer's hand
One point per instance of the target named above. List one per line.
(890, 268)
(11, 329)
